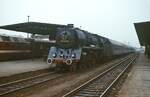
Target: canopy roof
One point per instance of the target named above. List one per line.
(143, 32)
(34, 27)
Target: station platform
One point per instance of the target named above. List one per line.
(137, 83)
(20, 66)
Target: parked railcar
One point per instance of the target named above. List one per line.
(12, 48)
(76, 48)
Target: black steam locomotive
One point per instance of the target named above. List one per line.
(76, 48)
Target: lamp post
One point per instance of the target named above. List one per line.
(28, 21)
(28, 18)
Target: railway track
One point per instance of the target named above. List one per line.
(100, 85)
(15, 86)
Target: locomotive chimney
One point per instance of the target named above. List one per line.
(70, 25)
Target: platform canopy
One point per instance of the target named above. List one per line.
(34, 27)
(143, 32)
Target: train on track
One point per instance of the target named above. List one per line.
(12, 48)
(78, 49)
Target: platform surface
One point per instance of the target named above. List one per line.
(138, 81)
(20, 66)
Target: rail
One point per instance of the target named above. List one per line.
(14, 86)
(102, 83)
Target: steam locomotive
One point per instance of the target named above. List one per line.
(78, 49)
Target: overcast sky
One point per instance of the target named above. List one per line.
(110, 18)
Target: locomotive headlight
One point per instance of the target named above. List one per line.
(54, 55)
(49, 61)
(73, 56)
